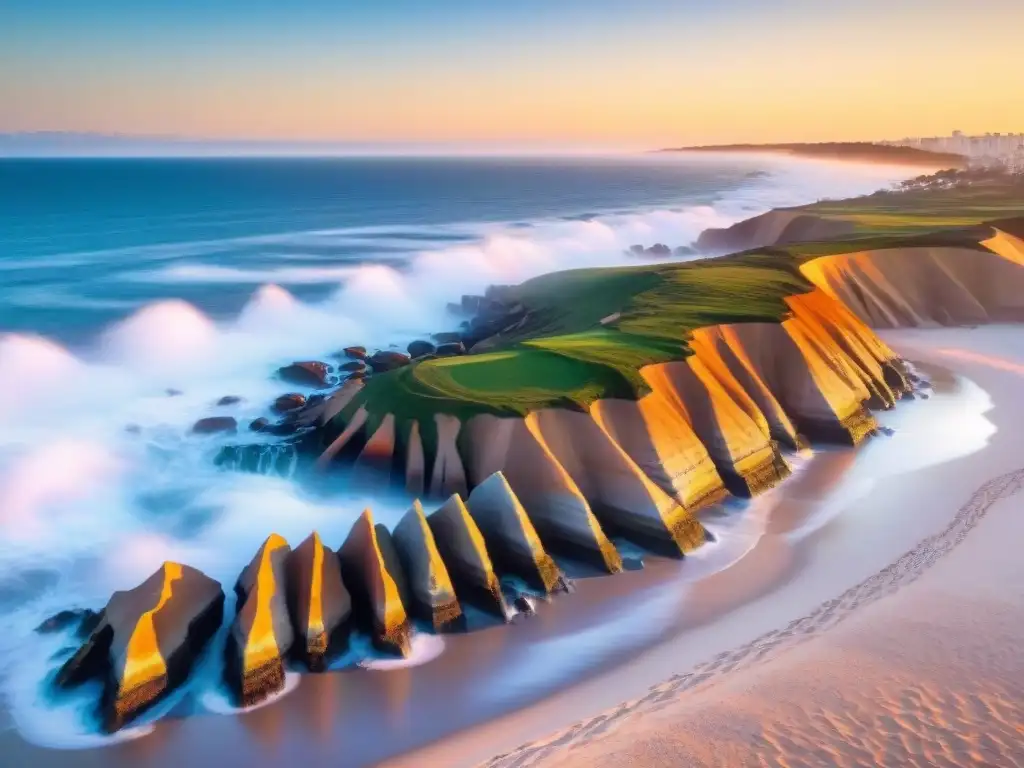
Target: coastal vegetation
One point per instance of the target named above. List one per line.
(858, 151)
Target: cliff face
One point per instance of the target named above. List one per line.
(922, 286)
(778, 227)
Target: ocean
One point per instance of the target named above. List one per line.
(123, 280)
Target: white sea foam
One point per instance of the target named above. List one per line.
(100, 507)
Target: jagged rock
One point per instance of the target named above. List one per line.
(415, 462)
(352, 366)
(372, 466)
(388, 360)
(420, 348)
(318, 602)
(356, 353)
(450, 349)
(510, 536)
(258, 425)
(464, 553)
(447, 337)
(307, 373)
(212, 424)
(82, 619)
(147, 640)
(431, 596)
(289, 402)
(684, 250)
(376, 596)
(261, 635)
(449, 474)
(229, 400)
(526, 605)
(660, 250)
(453, 308)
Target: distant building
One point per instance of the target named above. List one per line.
(990, 149)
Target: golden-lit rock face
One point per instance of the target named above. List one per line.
(431, 595)
(318, 602)
(147, 641)
(621, 495)
(261, 635)
(372, 467)
(464, 552)
(376, 596)
(554, 504)
(510, 536)
(921, 286)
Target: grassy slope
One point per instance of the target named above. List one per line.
(565, 356)
(858, 151)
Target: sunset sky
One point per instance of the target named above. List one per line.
(601, 73)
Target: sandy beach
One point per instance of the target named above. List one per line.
(915, 664)
(851, 599)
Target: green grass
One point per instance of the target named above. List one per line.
(588, 332)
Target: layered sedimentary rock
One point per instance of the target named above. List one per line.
(376, 595)
(621, 495)
(431, 595)
(465, 554)
(556, 507)
(147, 640)
(922, 286)
(415, 462)
(261, 636)
(777, 227)
(509, 534)
(449, 474)
(373, 465)
(318, 602)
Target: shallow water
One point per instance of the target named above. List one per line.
(124, 279)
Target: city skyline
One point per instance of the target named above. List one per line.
(605, 75)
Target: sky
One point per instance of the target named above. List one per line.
(531, 73)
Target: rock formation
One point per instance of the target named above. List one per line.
(212, 424)
(431, 595)
(318, 602)
(147, 640)
(261, 635)
(464, 553)
(509, 534)
(289, 402)
(376, 598)
(307, 373)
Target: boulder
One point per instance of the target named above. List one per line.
(258, 425)
(352, 366)
(147, 640)
(431, 595)
(450, 349)
(289, 402)
(447, 337)
(388, 360)
(511, 539)
(464, 552)
(83, 620)
(376, 596)
(419, 348)
(318, 602)
(307, 373)
(229, 400)
(357, 375)
(261, 635)
(316, 399)
(355, 353)
(212, 424)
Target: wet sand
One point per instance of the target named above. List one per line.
(842, 520)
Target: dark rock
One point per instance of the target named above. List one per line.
(289, 402)
(282, 428)
(356, 353)
(82, 619)
(261, 635)
(229, 400)
(451, 349)
(684, 250)
(146, 641)
(315, 399)
(357, 375)
(526, 605)
(318, 602)
(388, 360)
(308, 373)
(447, 337)
(171, 392)
(353, 365)
(258, 425)
(452, 307)
(660, 250)
(420, 348)
(636, 250)
(430, 595)
(471, 304)
(212, 424)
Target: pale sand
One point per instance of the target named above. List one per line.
(918, 663)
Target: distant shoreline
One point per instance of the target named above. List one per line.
(861, 152)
